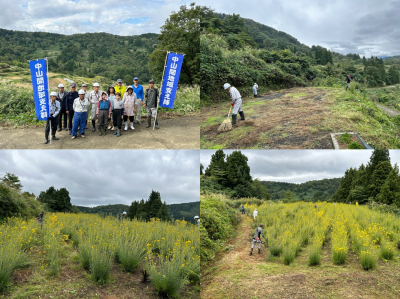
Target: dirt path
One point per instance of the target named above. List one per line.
(236, 275)
(176, 133)
(389, 111)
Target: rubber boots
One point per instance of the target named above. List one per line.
(100, 131)
(118, 132)
(241, 115)
(251, 251)
(157, 123)
(126, 126)
(46, 135)
(132, 126)
(54, 137)
(234, 116)
(148, 122)
(93, 125)
(105, 130)
(259, 250)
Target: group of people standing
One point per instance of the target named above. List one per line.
(111, 108)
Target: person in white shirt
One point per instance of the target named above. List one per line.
(52, 120)
(84, 87)
(236, 102)
(80, 113)
(94, 98)
(254, 88)
(255, 213)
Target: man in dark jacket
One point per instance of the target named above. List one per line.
(71, 96)
(348, 79)
(151, 100)
(61, 97)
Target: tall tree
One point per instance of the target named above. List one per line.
(12, 181)
(238, 171)
(390, 191)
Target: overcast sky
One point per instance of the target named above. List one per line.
(99, 177)
(367, 27)
(124, 17)
(299, 166)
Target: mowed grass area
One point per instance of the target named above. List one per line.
(88, 256)
(235, 274)
(300, 118)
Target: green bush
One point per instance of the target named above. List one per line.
(100, 264)
(355, 145)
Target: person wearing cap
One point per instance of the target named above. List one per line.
(52, 120)
(236, 102)
(94, 98)
(129, 107)
(71, 96)
(120, 88)
(138, 90)
(254, 89)
(84, 88)
(61, 97)
(111, 98)
(118, 114)
(80, 108)
(121, 216)
(103, 113)
(348, 79)
(197, 220)
(258, 232)
(151, 100)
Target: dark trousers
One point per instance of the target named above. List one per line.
(103, 117)
(117, 121)
(70, 118)
(53, 122)
(130, 118)
(63, 113)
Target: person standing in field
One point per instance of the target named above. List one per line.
(40, 219)
(71, 96)
(151, 100)
(258, 232)
(255, 213)
(197, 220)
(129, 107)
(254, 88)
(61, 97)
(80, 108)
(236, 102)
(121, 216)
(94, 98)
(348, 79)
(111, 98)
(120, 88)
(87, 94)
(52, 120)
(242, 207)
(103, 113)
(138, 90)
(118, 114)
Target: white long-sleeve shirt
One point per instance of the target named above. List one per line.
(255, 213)
(80, 105)
(235, 95)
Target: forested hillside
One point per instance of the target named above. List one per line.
(309, 191)
(241, 52)
(88, 54)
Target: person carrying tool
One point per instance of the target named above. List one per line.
(40, 219)
(258, 232)
(138, 89)
(348, 79)
(151, 100)
(255, 213)
(254, 88)
(52, 120)
(71, 96)
(236, 102)
(121, 216)
(242, 207)
(61, 97)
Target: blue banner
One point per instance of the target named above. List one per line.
(40, 88)
(171, 79)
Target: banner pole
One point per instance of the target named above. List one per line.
(48, 93)
(162, 82)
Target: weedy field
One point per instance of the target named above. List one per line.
(88, 256)
(328, 251)
(304, 118)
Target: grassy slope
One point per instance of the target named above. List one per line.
(298, 119)
(234, 274)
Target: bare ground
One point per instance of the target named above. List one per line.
(389, 111)
(236, 274)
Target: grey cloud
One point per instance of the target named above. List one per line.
(108, 177)
(300, 165)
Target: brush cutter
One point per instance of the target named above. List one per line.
(226, 125)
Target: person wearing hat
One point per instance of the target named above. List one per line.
(52, 120)
(118, 114)
(84, 88)
(80, 108)
(258, 232)
(151, 100)
(71, 96)
(255, 213)
(94, 98)
(197, 220)
(120, 88)
(236, 102)
(111, 98)
(129, 107)
(103, 113)
(138, 90)
(61, 97)
(254, 89)
(121, 216)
